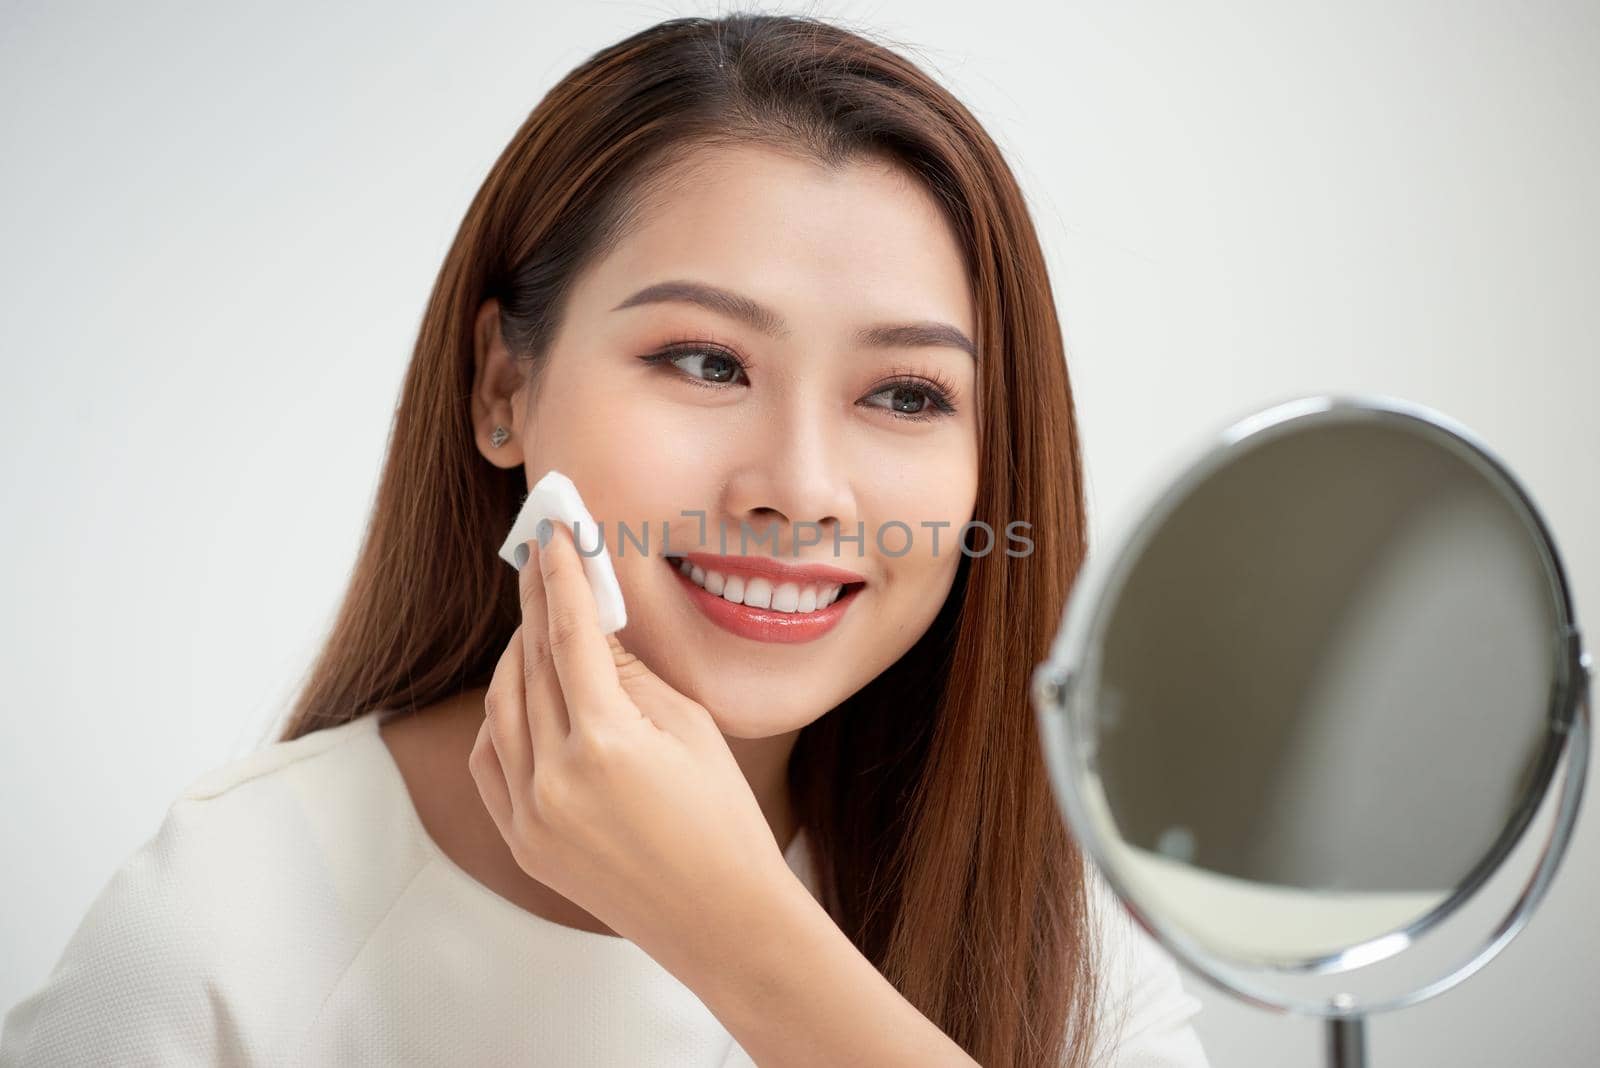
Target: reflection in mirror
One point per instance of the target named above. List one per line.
(1321, 702)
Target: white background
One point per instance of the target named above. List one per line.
(219, 225)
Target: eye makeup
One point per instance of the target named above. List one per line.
(935, 387)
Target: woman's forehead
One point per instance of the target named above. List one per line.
(761, 221)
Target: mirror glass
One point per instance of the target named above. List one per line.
(1319, 690)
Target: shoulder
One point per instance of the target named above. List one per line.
(269, 761)
(1146, 1014)
(269, 828)
(260, 873)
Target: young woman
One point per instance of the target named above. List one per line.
(753, 273)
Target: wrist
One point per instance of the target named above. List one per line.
(762, 941)
(793, 990)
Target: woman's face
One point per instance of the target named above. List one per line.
(822, 431)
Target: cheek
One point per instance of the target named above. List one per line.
(932, 491)
(934, 495)
(631, 462)
(636, 467)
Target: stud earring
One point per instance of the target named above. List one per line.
(498, 438)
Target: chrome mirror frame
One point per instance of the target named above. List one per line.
(1065, 723)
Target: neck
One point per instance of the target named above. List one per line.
(765, 763)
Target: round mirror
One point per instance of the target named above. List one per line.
(1306, 711)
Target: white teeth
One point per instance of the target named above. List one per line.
(760, 592)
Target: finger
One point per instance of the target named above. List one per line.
(490, 776)
(583, 658)
(545, 707)
(651, 694)
(506, 722)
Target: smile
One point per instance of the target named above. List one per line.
(765, 600)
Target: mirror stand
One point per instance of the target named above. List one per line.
(1347, 1042)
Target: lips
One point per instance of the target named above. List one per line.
(764, 602)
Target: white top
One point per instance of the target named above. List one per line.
(291, 908)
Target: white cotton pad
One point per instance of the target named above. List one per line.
(554, 497)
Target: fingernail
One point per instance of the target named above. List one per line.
(521, 554)
(544, 531)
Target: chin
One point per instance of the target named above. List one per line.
(745, 720)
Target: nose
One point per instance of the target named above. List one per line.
(797, 474)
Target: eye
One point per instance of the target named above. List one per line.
(706, 364)
(916, 398)
(912, 397)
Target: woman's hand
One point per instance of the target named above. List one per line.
(609, 786)
(621, 794)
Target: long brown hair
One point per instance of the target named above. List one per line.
(924, 795)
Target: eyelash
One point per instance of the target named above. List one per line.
(936, 387)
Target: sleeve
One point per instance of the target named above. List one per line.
(1146, 1014)
(131, 986)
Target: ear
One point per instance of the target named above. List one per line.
(497, 384)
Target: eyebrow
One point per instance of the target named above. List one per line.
(759, 317)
